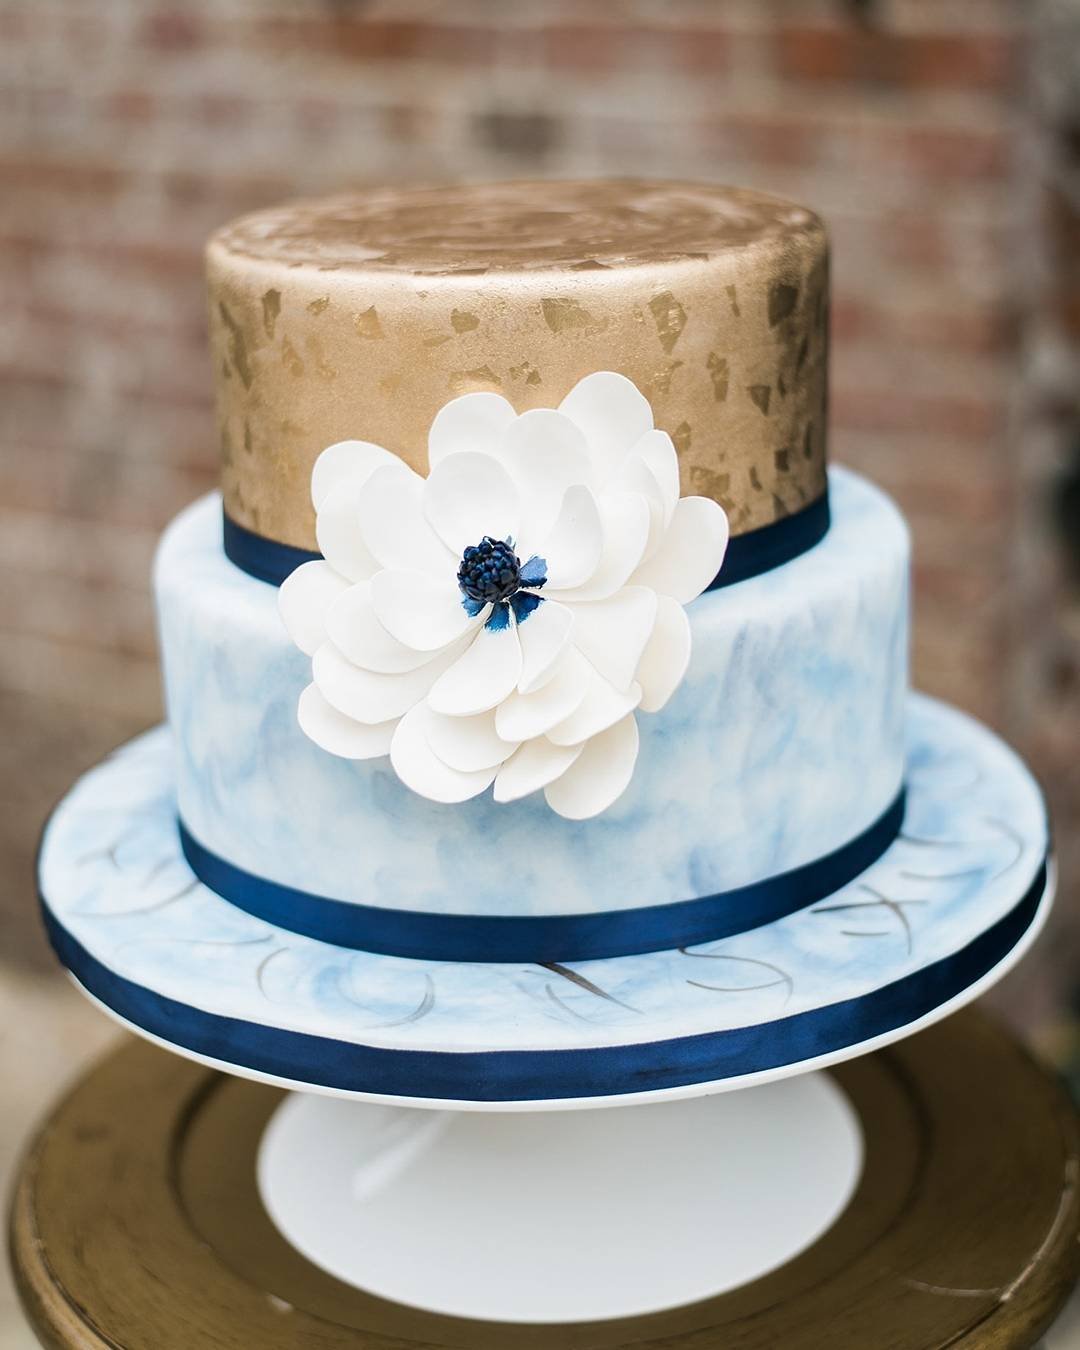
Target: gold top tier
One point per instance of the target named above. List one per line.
(359, 316)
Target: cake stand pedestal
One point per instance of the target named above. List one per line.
(562, 1216)
(138, 1222)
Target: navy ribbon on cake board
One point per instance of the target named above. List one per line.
(748, 555)
(424, 935)
(546, 1075)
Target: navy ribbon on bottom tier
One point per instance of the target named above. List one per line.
(546, 1075)
(424, 935)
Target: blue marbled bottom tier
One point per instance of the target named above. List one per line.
(784, 743)
(962, 888)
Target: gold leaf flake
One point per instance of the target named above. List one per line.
(563, 314)
(660, 382)
(271, 308)
(720, 374)
(368, 325)
(782, 301)
(291, 359)
(708, 482)
(238, 352)
(467, 381)
(761, 396)
(669, 317)
(527, 372)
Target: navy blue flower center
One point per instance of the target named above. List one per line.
(489, 572)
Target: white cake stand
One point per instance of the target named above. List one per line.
(507, 1198)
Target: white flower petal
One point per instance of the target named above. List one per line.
(666, 656)
(420, 768)
(543, 637)
(626, 521)
(612, 633)
(471, 422)
(656, 451)
(545, 453)
(346, 462)
(612, 413)
(602, 707)
(575, 544)
(422, 611)
(600, 775)
(339, 534)
(482, 676)
(548, 703)
(394, 527)
(340, 735)
(691, 552)
(534, 766)
(469, 496)
(467, 744)
(634, 475)
(304, 600)
(520, 717)
(354, 628)
(369, 696)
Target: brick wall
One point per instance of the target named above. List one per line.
(129, 129)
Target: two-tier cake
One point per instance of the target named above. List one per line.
(529, 658)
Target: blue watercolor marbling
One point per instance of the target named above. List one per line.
(974, 839)
(784, 742)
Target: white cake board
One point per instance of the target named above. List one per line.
(676, 1192)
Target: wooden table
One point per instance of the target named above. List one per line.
(136, 1224)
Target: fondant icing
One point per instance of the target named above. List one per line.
(783, 743)
(969, 863)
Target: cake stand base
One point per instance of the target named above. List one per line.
(137, 1223)
(561, 1217)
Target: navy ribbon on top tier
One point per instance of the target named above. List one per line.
(747, 555)
(424, 935)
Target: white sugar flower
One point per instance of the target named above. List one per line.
(500, 621)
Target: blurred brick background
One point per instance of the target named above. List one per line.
(940, 139)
